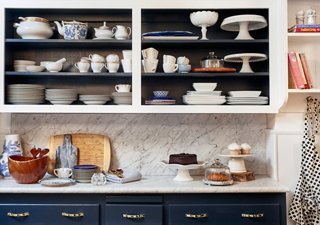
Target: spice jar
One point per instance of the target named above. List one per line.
(211, 61)
(218, 174)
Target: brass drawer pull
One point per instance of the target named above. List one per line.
(135, 216)
(196, 216)
(73, 215)
(258, 215)
(25, 214)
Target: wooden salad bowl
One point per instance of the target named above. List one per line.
(27, 170)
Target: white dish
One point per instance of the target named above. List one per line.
(24, 62)
(244, 93)
(61, 102)
(26, 86)
(103, 38)
(202, 102)
(169, 38)
(260, 98)
(35, 69)
(247, 103)
(217, 183)
(204, 86)
(57, 182)
(206, 93)
(91, 102)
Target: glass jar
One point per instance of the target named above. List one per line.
(212, 61)
(218, 172)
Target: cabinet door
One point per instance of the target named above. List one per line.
(125, 214)
(224, 214)
(49, 214)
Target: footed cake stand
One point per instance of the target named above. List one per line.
(243, 24)
(183, 170)
(245, 59)
(236, 163)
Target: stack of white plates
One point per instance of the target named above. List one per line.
(94, 99)
(204, 98)
(61, 96)
(21, 65)
(25, 93)
(246, 98)
(122, 98)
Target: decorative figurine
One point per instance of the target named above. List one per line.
(311, 16)
(67, 154)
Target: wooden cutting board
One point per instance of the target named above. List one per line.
(92, 149)
(214, 70)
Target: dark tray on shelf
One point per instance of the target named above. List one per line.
(67, 74)
(192, 75)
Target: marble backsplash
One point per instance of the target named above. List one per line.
(140, 141)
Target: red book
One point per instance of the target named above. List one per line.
(295, 71)
(301, 30)
(306, 69)
(302, 71)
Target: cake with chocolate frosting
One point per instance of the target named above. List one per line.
(183, 159)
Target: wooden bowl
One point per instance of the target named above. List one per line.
(27, 170)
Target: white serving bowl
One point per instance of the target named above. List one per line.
(204, 86)
(35, 68)
(204, 18)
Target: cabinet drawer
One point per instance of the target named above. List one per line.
(224, 214)
(125, 214)
(49, 214)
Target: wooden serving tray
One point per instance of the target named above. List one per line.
(214, 70)
(92, 149)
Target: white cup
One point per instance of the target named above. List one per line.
(112, 67)
(63, 172)
(169, 59)
(150, 65)
(170, 67)
(97, 67)
(122, 87)
(83, 67)
(183, 60)
(150, 53)
(126, 65)
(127, 54)
(85, 59)
(112, 58)
(96, 58)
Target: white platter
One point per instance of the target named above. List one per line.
(217, 183)
(91, 102)
(248, 103)
(244, 93)
(170, 38)
(57, 182)
(203, 102)
(61, 102)
(206, 93)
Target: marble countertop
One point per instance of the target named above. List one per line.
(154, 184)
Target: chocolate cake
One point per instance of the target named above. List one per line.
(183, 159)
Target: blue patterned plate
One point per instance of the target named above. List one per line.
(168, 33)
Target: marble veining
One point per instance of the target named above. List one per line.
(140, 141)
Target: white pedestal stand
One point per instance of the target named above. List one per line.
(245, 59)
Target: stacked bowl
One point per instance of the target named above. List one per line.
(21, 65)
(61, 96)
(25, 93)
(94, 99)
(122, 98)
(83, 173)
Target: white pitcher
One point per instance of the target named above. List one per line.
(121, 32)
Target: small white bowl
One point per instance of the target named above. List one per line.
(160, 94)
(35, 69)
(54, 66)
(19, 68)
(204, 86)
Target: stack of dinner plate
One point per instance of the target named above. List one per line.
(122, 98)
(61, 96)
(246, 98)
(94, 99)
(204, 98)
(25, 93)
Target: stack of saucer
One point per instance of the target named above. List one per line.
(246, 98)
(204, 98)
(122, 98)
(94, 99)
(61, 96)
(25, 93)
(21, 65)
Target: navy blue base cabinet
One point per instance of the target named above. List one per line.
(128, 209)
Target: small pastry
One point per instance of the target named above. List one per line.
(234, 149)
(217, 177)
(245, 149)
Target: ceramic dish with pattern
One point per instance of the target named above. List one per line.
(57, 182)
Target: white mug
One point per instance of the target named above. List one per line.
(126, 65)
(127, 54)
(150, 53)
(122, 87)
(112, 58)
(83, 67)
(112, 67)
(96, 58)
(150, 65)
(183, 60)
(63, 172)
(169, 59)
(170, 68)
(97, 67)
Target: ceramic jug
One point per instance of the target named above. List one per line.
(121, 32)
(11, 146)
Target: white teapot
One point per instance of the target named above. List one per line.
(121, 32)
(103, 32)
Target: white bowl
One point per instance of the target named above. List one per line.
(35, 68)
(204, 18)
(204, 86)
(54, 66)
(20, 68)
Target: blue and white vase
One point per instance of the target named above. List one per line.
(11, 146)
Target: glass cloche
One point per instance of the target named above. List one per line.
(218, 174)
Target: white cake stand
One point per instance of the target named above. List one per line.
(243, 24)
(245, 58)
(236, 163)
(183, 170)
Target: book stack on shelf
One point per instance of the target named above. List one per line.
(299, 72)
(305, 28)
